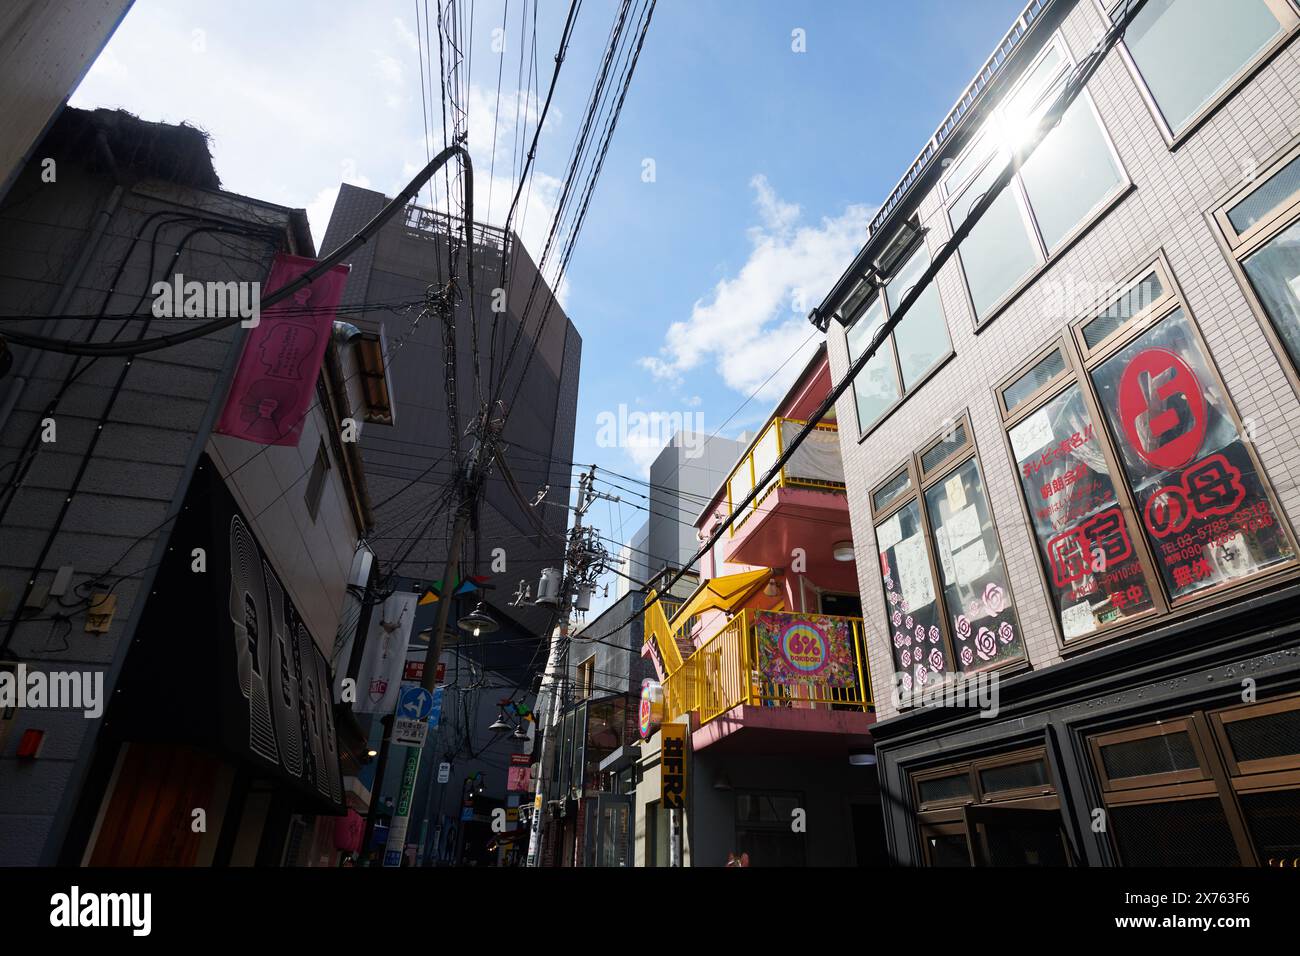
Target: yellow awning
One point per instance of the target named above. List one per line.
(717, 594)
(721, 594)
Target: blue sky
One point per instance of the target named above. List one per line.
(688, 290)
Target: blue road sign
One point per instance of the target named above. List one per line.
(435, 714)
(416, 703)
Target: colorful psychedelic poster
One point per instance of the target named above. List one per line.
(805, 649)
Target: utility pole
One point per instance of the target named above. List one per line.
(584, 556)
(469, 486)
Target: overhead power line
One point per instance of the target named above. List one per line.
(1075, 83)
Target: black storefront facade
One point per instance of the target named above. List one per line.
(222, 731)
(1180, 747)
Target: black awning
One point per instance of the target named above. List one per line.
(224, 660)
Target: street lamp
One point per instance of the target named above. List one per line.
(478, 621)
(499, 725)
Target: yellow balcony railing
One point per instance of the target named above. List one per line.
(815, 464)
(748, 662)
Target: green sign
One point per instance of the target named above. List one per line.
(408, 781)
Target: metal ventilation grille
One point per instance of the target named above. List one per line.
(1139, 758)
(1280, 187)
(1260, 738)
(1051, 366)
(1182, 833)
(944, 788)
(891, 490)
(1016, 776)
(1274, 823)
(936, 455)
(1122, 309)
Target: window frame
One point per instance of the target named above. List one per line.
(948, 817)
(1182, 780)
(1282, 9)
(1081, 361)
(952, 194)
(877, 293)
(1239, 246)
(314, 493)
(1270, 766)
(1219, 775)
(921, 480)
(587, 677)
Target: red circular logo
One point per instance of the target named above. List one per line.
(1162, 409)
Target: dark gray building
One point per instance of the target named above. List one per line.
(409, 468)
(111, 477)
(410, 255)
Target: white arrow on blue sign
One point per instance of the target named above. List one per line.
(416, 703)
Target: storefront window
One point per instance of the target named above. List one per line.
(1201, 502)
(920, 656)
(984, 626)
(1274, 273)
(1084, 537)
(948, 604)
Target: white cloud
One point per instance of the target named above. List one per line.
(761, 312)
(284, 119)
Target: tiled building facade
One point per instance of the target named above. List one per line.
(1115, 246)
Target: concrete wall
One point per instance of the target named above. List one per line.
(687, 472)
(616, 651)
(116, 525)
(1173, 190)
(45, 49)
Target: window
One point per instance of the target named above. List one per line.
(949, 605)
(1261, 226)
(1190, 52)
(1140, 490)
(763, 828)
(316, 483)
(1068, 178)
(921, 340)
(586, 678)
(995, 811)
(1194, 483)
(915, 348)
(1174, 798)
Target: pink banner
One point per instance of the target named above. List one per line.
(277, 373)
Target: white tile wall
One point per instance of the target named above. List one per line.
(1174, 190)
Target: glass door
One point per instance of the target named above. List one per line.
(614, 829)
